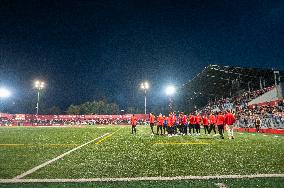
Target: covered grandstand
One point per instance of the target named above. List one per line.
(216, 82)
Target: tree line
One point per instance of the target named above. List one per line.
(92, 107)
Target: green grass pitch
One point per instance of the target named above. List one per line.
(121, 154)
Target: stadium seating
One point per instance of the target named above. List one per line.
(270, 112)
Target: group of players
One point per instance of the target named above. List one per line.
(182, 124)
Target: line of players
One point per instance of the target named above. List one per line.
(182, 124)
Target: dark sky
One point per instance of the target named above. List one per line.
(88, 50)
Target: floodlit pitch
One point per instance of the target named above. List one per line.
(90, 153)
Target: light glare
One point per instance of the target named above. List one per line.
(4, 93)
(170, 90)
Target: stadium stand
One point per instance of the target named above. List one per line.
(249, 93)
(216, 82)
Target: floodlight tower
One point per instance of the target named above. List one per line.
(170, 91)
(39, 85)
(145, 87)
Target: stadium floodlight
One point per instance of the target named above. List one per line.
(4, 93)
(145, 86)
(170, 90)
(39, 85)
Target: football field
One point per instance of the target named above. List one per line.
(109, 156)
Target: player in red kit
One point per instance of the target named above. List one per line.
(205, 124)
(198, 121)
(170, 124)
(152, 121)
(220, 124)
(212, 122)
(184, 124)
(160, 124)
(191, 123)
(133, 124)
(229, 122)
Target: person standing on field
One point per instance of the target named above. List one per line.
(184, 124)
(165, 124)
(229, 122)
(170, 124)
(152, 121)
(205, 124)
(191, 123)
(220, 124)
(212, 121)
(133, 124)
(160, 124)
(198, 121)
(257, 124)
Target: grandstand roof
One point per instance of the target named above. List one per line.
(220, 81)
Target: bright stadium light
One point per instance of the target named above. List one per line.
(39, 85)
(4, 93)
(145, 86)
(170, 90)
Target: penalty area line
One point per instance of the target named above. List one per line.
(159, 178)
(56, 158)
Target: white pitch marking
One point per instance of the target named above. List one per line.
(264, 135)
(56, 158)
(221, 185)
(276, 136)
(159, 178)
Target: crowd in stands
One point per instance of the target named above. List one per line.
(270, 116)
(34, 122)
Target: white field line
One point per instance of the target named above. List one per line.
(56, 158)
(221, 185)
(141, 178)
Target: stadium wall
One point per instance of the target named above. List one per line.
(253, 130)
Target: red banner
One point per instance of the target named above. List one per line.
(268, 131)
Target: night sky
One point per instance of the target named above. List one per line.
(87, 50)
